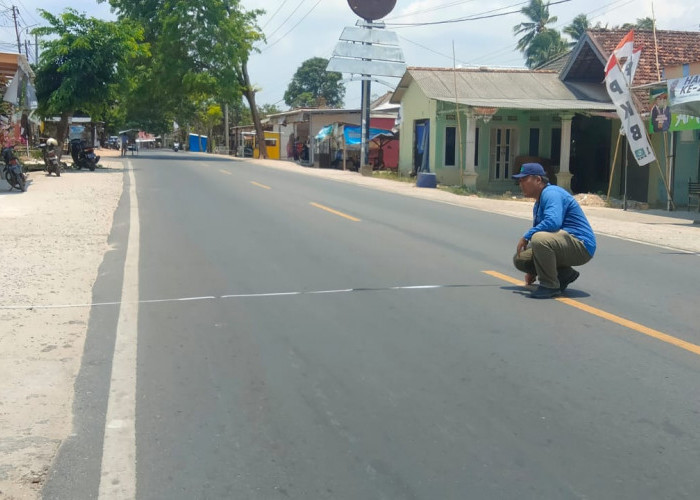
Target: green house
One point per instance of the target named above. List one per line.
(475, 127)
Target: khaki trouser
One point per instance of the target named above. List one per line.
(551, 253)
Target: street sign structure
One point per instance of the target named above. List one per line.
(372, 10)
(368, 50)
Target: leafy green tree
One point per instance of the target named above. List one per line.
(312, 84)
(209, 119)
(84, 65)
(538, 14)
(200, 52)
(240, 114)
(544, 47)
(577, 28)
(268, 109)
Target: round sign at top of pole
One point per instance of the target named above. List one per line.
(371, 10)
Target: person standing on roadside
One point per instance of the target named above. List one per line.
(125, 143)
(560, 236)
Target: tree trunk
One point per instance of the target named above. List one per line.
(250, 97)
(62, 132)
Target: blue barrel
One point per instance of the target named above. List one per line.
(426, 180)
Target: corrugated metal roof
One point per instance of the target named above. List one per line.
(512, 89)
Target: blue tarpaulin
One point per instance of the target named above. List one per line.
(353, 135)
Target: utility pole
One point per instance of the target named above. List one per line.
(14, 16)
(226, 130)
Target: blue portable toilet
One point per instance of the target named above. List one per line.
(195, 143)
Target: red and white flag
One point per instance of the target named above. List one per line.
(626, 51)
(625, 47)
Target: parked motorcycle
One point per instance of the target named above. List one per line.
(83, 155)
(176, 146)
(51, 157)
(13, 170)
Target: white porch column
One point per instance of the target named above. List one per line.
(564, 176)
(470, 174)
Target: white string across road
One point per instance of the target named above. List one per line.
(241, 296)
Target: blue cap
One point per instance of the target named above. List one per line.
(530, 169)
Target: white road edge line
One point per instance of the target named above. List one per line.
(118, 472)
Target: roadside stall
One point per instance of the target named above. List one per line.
(338, 146)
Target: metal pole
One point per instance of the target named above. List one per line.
(366, 90)
(624, 196)
(364, 132)
(670, 163)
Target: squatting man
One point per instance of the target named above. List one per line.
(560, 236)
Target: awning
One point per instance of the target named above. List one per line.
(353, 134)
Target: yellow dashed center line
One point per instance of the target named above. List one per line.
(260, 185)
(650, 332)
(341, 214)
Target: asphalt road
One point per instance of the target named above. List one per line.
(307, 339)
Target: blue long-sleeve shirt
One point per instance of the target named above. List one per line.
(557, 209)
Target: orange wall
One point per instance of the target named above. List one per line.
(677, 71)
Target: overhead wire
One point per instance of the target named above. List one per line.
(28, 12)
(287, 18)
(474, 17)
(615, 5)
(274, 14)
(432, 9)
(293, 27)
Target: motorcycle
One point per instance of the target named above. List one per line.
(51, 157)
(83, 155)
(13, 170)
(176, 146)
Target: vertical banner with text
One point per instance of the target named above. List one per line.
(617, 83)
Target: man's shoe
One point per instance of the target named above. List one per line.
(542, 292)
(567, 277)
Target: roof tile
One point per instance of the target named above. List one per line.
(674, 48)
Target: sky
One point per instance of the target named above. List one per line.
(297, 30)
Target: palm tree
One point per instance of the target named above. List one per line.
(645, 23)
(538, 13)
(545, 46)
(577, 28)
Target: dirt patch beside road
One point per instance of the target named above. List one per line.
(52, 241)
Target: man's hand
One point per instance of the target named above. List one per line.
(522, 245)
(530, 278)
